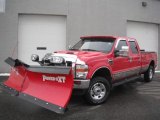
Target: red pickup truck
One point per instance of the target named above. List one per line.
(95, 64)
(106, 61)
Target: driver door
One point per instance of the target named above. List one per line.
(120, 64)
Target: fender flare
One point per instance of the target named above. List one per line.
(102, 67)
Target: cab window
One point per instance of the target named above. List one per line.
(133, 47)
(120, 44)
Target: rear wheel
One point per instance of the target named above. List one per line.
(148, 75)
(98, 91)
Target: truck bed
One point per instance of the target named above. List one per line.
(146, 59)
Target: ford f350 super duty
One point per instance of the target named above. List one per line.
(95, 65)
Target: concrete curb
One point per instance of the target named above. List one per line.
(4, 74)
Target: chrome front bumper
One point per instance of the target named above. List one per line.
(81, 84)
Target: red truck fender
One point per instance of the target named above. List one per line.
(95, 69)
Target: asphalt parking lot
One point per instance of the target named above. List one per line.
(133, 101)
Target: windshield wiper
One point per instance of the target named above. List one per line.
(73, 49)
(88, 50)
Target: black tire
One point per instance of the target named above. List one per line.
(98, 91)
(148, 75)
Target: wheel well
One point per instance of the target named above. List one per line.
(103, 72)
(152, 63)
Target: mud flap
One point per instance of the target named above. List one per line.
(49, 87)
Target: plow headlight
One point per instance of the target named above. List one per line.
(35, 58)
(81, 71)
(56, 59)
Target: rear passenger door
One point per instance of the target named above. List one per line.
(135, 58)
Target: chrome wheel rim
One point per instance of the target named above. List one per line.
(98, 91)
(150, 74)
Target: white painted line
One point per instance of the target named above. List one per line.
(4, 74)
(157, 71)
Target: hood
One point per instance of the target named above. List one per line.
(79, 56)
(67, 57)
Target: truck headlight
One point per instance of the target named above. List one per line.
(81, 71)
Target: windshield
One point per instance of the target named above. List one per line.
(101, 45)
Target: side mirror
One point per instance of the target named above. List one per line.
(123, 52)
(35, 58)
(116, 53)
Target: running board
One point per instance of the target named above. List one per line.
(126, 80)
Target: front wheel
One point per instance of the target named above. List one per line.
(148, 75)
(98, 91)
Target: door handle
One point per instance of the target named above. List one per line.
(130, 59)
(139, 59)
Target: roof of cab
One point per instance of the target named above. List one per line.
(101, 37)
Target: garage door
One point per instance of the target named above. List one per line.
(40, 34)
(145, 33)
